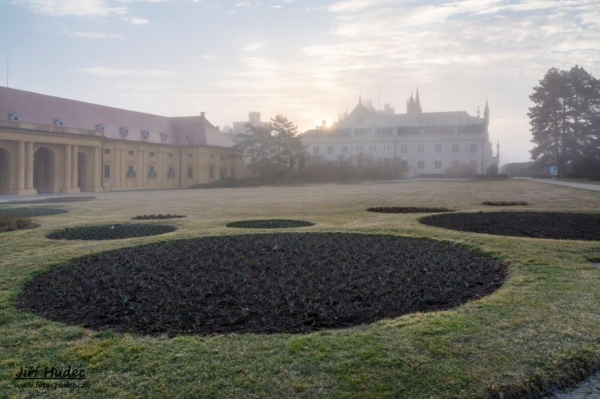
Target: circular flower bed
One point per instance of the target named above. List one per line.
(505, 203)
(111, 232)
(563, 226)
(31, 212)
(269, 224)
(157, 217)
(408, 209)
(260, 283)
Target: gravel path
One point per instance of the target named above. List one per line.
(594, 187)
(589, 389)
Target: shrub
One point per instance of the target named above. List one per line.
(13, 223)
(460, 170)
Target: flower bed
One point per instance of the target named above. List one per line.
(110, 232)
(260, 283)
(269, 224)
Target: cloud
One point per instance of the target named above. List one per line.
(253, 46)
(209, 57)
(95, 35)
(77, 8)
(110, 73)
(146, 86)
(244, 4)
(136, 21)
(275, 7)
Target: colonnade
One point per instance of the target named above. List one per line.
(69, 182)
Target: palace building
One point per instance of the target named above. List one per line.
(55, 145)
(429, 142)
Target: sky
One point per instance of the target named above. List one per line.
(305, 59)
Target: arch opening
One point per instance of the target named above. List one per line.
(43, 171)
(4, 171)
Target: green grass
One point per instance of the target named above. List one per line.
(537, 331)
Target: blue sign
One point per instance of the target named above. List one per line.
(553, 170)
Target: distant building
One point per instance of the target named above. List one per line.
(430, 142)
(55, 145)
(253, 119)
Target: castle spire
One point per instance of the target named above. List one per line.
(418, 108)
(486, 111)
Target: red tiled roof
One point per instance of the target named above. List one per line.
(43, 109)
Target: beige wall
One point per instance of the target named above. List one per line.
(49, 162)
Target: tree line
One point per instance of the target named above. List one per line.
(275, 153)
(565, 123)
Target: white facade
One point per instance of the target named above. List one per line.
(429, 142)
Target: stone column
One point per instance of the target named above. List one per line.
(75, 166)
(68, 168)
(21, 166)
(29, 157)
(96, 169)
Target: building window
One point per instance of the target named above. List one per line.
(107, 171)
(473, 147)
(171, 173)
(151, 153)
(359, 148)
(421, 165)
(130, 172)
(190, 171)
(421, 149)
(404, 149)
(454, 163)
(438, 164)
(222, 175)
(190, 155)
(212, 172)
(438, 148)
(107, 150)
(474, 164)
(455, 148)
(130, 152)
(330, 150)
(211, 155)
(315, 150)
(170, 155)
(345, 149)
(232, 172)
(152, 172)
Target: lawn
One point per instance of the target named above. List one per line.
(539, 330)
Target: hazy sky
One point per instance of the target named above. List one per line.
(306, 59)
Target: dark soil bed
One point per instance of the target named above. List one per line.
(563, 226)
(14, 223)
(157, 217)
(269, 224)
(260, 283)
(32, 211)
(408, 209)
(505, 203)
(110, 232)
(50, 200)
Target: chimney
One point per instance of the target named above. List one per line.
(202, 114)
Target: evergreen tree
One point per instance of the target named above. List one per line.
(565, 120)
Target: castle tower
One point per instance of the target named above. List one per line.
(486, 113)
(410, 105)
(418, 108)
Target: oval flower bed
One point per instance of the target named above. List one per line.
(157, 217)
(260, 283)
(408, 209)
(111, 232)
(32, 211)
(556, 225)
(269, 224)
